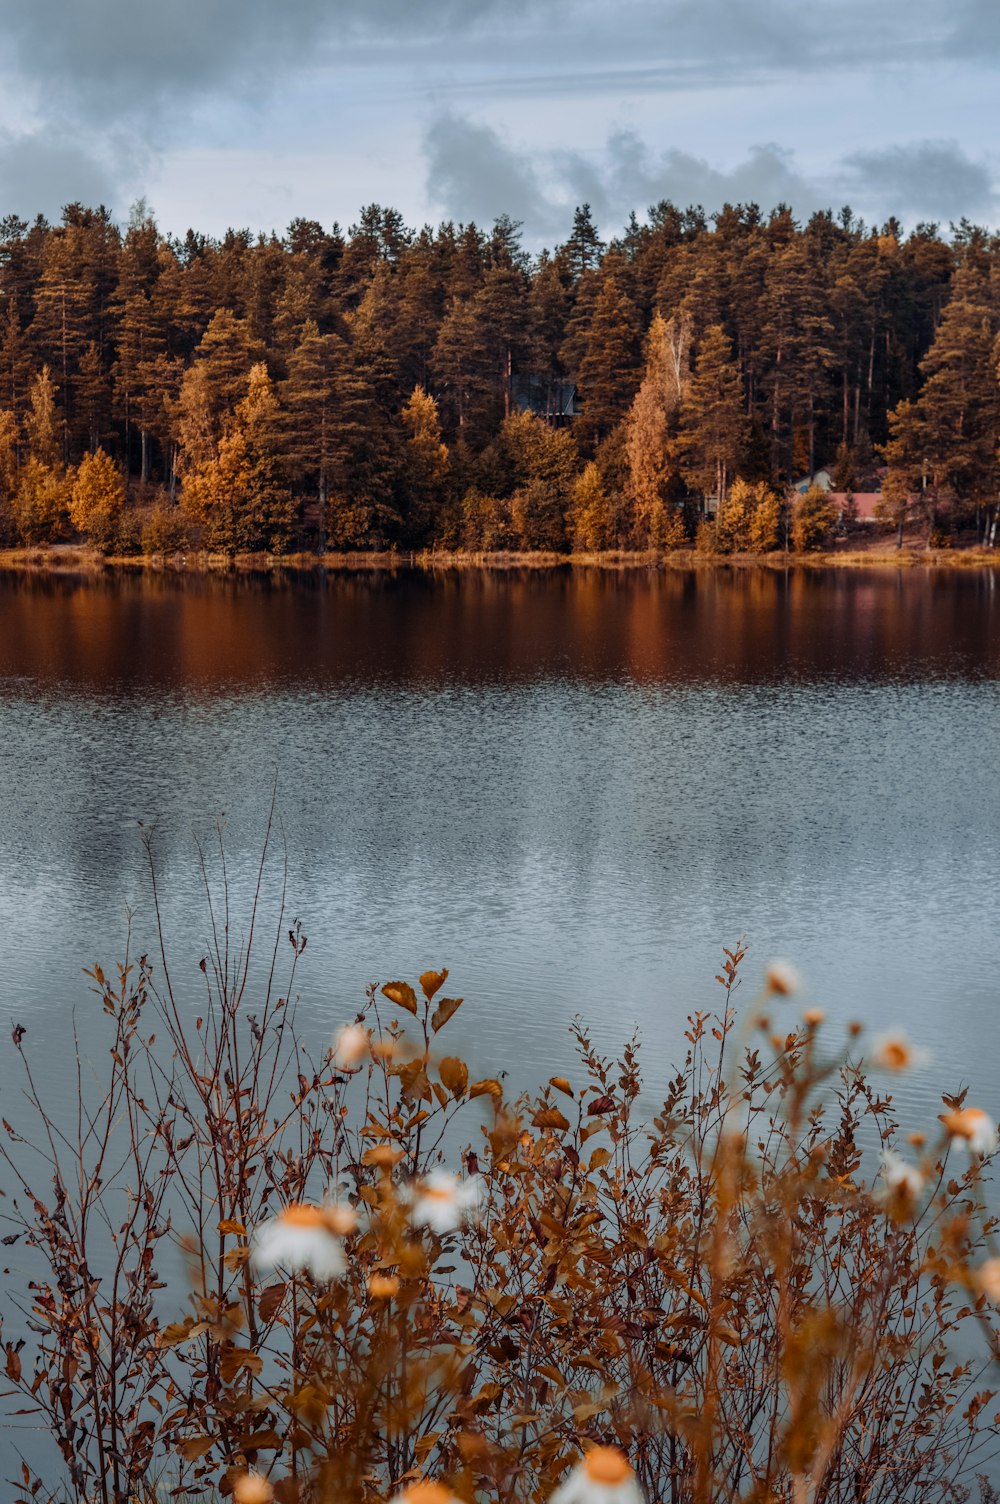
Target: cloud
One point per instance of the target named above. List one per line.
(40, 172)
(472, 172)
(933, 180)
(133, 56)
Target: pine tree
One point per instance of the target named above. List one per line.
(582, 250)
(609, 370)
(714, 424)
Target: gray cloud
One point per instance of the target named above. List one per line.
(923, 179)
(130, 56)
(473, 173)
(41, 172)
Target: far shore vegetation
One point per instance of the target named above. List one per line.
(733, 386)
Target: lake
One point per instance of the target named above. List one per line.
(572, 788)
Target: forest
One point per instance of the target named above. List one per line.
(391, 388)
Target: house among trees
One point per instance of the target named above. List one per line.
(545, 397)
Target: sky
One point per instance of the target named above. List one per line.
(253, 112)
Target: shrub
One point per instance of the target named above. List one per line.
(164, 531)
(814, 516)
(721, 1291)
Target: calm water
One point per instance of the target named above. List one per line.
(572, 789)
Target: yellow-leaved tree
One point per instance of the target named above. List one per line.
(651, 434)
(97, 500)
(238, 497)
(425, 463)
(41, 498)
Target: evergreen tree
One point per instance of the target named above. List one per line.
(714, 424)
(609, 369)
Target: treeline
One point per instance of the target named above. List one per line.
(387, 387)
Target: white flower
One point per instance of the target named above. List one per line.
(986, 1279)
(252, 1488)
(899, 1176)
(425, 1492)
(894, 1052)
(973, 1128)
(781, 979)
(350, 1046)
(305, 1237)
(442, 1202)
(603, 1477)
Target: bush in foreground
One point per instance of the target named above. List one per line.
(718, 1291)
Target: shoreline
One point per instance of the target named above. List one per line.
(68, 559)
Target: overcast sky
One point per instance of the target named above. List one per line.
(250, 112)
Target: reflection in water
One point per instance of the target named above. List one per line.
(200, 633)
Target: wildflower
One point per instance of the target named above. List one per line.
(986, 1279)
(350, 1046)
(813, 1017)
(252, 1488)
(305, 1237)
(603, 1477)
(894, 1052)
(973, 1127)
(425, 1492)
(382, 1286)
(441, 1201)
(781, 979)
(905, 1180)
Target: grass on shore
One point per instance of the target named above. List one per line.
(82, 559)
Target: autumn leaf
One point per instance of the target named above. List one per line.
(402, 994)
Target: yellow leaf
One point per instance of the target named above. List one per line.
(455, 1075)
(402, 994)
(561, 1084)
(430, 981)
(237, 1228)
(599, 1159)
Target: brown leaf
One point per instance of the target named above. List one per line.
(430, 981)
(231, 1226)
(402, 994)
(561, 1084)
(196, 1446)
(550, 1117)
(600, 1104)
(480, 1088)
(446, 1008)
(269, 1300)
(455, 1075)
(239, 1358)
